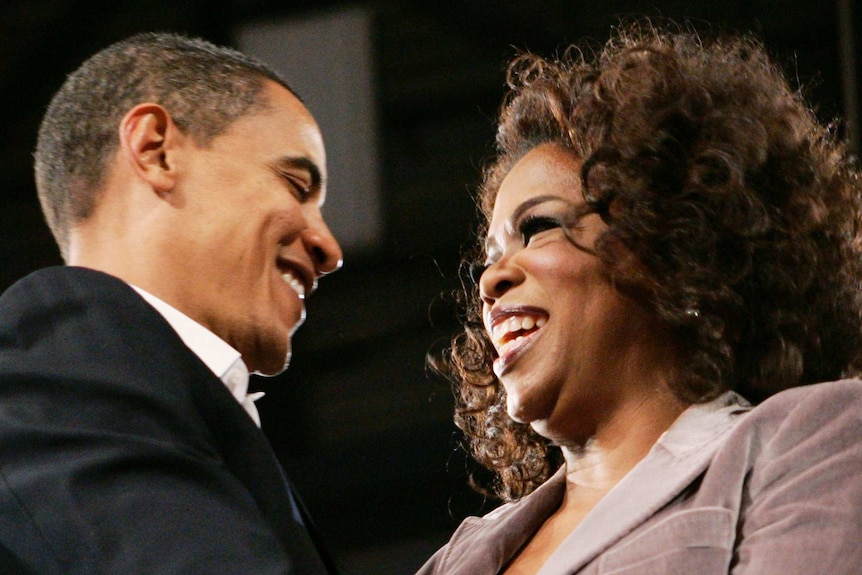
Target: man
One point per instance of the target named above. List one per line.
(183, 183)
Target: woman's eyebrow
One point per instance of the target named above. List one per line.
(527, 204)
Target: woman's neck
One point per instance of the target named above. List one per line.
(596, 467)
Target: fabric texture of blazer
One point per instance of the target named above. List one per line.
(774, 490)
(121, 452)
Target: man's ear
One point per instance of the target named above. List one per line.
(149, 139)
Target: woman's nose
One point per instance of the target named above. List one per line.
(498, 278)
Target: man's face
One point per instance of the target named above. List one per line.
(253, 241)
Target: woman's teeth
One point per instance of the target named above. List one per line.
(506, 330)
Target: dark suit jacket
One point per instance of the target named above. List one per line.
(776, 490)
(121, 452)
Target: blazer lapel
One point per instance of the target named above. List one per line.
(483, 545)
(677, 459)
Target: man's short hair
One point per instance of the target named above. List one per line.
(204, 87)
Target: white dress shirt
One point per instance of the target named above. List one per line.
(222, 359)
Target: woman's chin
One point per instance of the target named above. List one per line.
(526, 410)
(516, 409)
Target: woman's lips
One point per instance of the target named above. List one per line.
(513, 349)
(512, 331)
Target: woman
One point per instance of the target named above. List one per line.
(669, 231)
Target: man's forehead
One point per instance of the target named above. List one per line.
(296, 126)
(280, 97)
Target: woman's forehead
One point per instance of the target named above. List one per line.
(548, 168)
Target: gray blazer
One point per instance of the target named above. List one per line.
(727, 489)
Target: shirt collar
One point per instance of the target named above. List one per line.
(216, 353)
(219, 356)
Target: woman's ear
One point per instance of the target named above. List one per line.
(148, 139)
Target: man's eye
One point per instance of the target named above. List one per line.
(297, 186)
(533, 225)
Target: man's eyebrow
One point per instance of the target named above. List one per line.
(302, 163)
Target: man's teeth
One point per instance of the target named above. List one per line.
(294, 283)
(515, 324)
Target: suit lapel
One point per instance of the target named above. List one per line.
(247, 454)
(137, 354)
(677, 459)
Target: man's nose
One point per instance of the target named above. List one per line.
(323, 247)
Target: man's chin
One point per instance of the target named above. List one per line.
(275, 368)
(288, 354)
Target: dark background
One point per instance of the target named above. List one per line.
(364, 430)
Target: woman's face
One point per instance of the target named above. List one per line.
(572, 348)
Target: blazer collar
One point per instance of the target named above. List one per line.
(680, 455)
(484, 545)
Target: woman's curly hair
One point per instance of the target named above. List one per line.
(731, 212)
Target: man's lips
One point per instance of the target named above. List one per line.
(294, 283)
(298, 276)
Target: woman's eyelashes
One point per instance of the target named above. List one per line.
(531, 226)
(524, 231)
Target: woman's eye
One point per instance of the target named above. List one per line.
(531, 226)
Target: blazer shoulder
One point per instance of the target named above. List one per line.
(793, 465)
(827, 400)
(802, 424)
